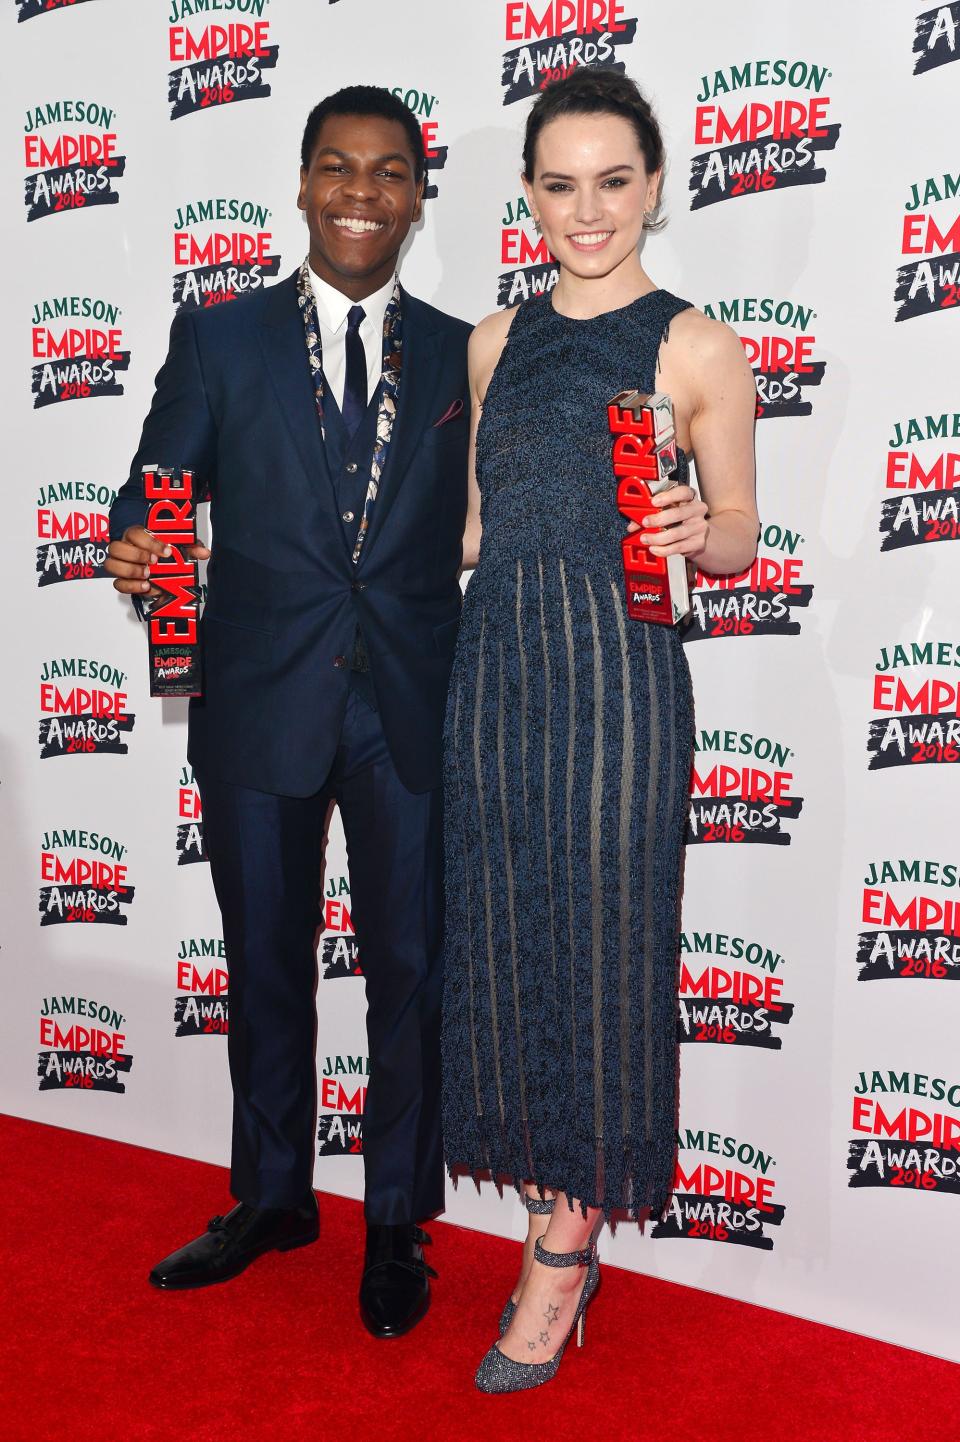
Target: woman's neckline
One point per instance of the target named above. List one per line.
(603, 314)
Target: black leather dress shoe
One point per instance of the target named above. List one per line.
(232, 1242)
(394, 1290)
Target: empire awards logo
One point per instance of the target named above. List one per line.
(722, 1002)
(918, 719)
(533, 270)
(421, 104)
(557, 38)
(339, 954)
(217, 64)
(76, 164)
(221, 249)
(900, 1143)
(935, 40)
(759, 601)
(88, 1054)
(88, 887)
(341, 1103)
(30, 9)
(73, 541)
(913, 911)
(746, 147)
(931, 230)
(86, 719)
(201, 1006)
(728, 1200)
(76, 362)
(783, 364)
(191, 846)
(909, 518)
(737, 800)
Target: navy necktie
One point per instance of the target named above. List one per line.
(355, 381)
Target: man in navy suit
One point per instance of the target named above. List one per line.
(327, 420)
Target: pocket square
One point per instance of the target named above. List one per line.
(450, 414)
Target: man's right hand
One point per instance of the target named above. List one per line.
(129, 560)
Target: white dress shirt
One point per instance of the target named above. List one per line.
(332, 309)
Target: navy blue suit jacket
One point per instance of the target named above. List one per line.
(234, 400)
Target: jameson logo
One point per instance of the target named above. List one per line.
(556, 38)
(218, 64)
(722, 1002)
(902, 1143)
(931, 283)
(77, 165)
(339, 954)
(532, 268)
(73, 528)
(89, 1053)
(753, 145)
(190, 842)
(917, 721)
(422, 105)
(221, 249)
(935, 38)
(90, 887)
(915, 929)
(30, 9)
(736, 800)
(757, 602)
(84, 719)
(911, 519)
(201, 1006)
(717, 1202)
(76, 362)
(340, 1122)
(782, 363)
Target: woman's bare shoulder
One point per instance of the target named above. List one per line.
(487, 340)
(703, 340)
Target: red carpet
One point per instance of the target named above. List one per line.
(89, 1350)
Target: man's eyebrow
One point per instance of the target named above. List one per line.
(380, 160)
(601, 174)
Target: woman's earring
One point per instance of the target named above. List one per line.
(536, 224)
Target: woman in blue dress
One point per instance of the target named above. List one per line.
(569, 728)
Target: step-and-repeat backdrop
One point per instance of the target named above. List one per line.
(150, 163)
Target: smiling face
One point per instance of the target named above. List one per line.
(360, 198)
(590, 191)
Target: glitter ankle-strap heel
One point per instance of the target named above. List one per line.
(498, 1373)
(537, 1207)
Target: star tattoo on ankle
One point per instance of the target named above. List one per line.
(552, 1313)
(544, 1337)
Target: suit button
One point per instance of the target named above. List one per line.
(351, 468)
(340, 662)
(347, 516)
(357, 585)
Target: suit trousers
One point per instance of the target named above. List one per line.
(266, 856)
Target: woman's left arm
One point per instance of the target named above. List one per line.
(718, 533)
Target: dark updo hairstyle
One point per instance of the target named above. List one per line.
(593, 90)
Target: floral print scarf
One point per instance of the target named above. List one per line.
(390, 385)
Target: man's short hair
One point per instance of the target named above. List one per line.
(365, 100)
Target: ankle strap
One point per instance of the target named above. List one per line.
(583, 1258)
(536, 1206)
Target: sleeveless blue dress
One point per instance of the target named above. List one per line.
(567, 753)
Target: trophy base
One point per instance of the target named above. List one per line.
(175, 671)
(663, 598)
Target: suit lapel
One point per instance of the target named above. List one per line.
(419, 378)
(284, 353)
